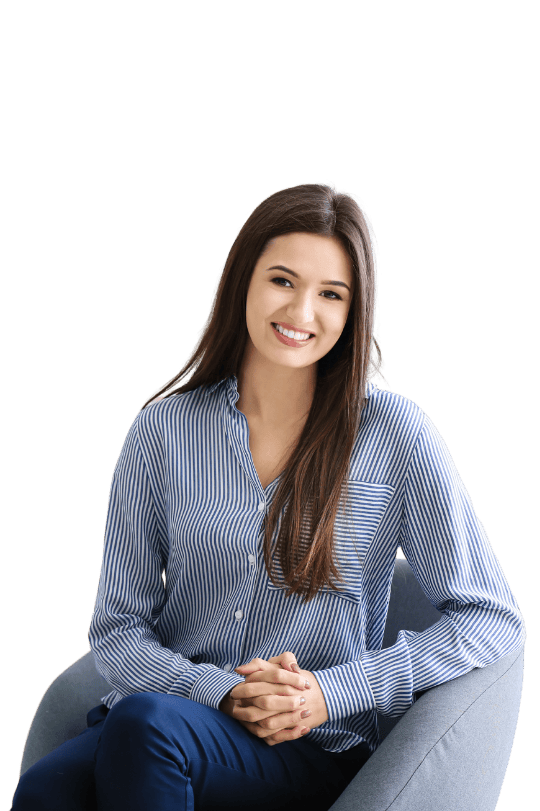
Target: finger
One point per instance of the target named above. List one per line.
(257, 730)
(287, 660)
(250, 667)
(260, 688)
(276, 736)
(282, 710)
(273, 703)
(279, 676)
(286, 735)
(284, 719)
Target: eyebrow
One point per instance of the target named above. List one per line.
(292, 272)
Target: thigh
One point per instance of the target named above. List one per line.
(157, 745)
(237, 769)
(63, 779)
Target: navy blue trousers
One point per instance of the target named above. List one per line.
(156, 752)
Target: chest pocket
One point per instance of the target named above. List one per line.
(355, 526)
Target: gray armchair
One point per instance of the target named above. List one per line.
(448, 752)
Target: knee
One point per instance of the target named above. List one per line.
(137, 718)
(133, 712)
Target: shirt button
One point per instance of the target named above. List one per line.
(261, 506)
(251, 558)
(238, 614)
(227, 667)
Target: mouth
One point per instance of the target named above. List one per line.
(290, 341)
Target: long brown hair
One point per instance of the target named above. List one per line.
(318, 465)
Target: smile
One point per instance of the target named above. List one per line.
(285, 336)
(298, 336)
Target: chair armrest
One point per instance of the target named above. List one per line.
(449, 751)
(61, 714)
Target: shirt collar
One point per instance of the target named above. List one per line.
(213, 387)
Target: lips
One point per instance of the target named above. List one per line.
(292, 328)
(284, 339)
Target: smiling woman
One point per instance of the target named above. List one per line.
(273, 490)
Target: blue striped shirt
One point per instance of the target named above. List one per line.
(184, 596)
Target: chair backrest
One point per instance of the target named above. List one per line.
(409, 609)
(62, 711)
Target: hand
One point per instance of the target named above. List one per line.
(276, 694)
(268, 699)
(269, 704)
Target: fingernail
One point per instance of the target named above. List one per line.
(295, 667)
(305, 713)
(308, 685)
(305, 731)
(302, 700)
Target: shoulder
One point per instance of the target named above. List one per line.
(167, 411)
(392, 411)
(389, 428)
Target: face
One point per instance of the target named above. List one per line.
(310, 292)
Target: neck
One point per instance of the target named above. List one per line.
(275, 395)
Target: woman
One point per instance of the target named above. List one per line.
(254, 518)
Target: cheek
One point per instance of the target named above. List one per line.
(264, 302)
(336, 324)
(259, 309)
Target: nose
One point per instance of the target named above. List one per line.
(301, 308)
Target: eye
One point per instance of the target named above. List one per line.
(282, 279)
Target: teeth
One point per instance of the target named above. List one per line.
(298, 336)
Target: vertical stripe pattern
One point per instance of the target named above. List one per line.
(184, 597)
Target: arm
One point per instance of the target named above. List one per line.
(450, 554)
(131, 595)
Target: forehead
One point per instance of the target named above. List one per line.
(308, 255)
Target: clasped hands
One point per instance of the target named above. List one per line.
(273, 700)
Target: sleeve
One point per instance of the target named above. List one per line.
(131, 594)
(452, 559)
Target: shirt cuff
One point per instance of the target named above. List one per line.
(346, 690)
(390, 675)
(206, 684)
